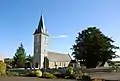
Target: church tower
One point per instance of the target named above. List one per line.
(40, 44)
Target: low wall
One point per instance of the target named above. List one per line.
(101, 69)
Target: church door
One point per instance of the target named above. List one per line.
(36, 65)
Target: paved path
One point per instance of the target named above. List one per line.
(30, 79)
(107, 76)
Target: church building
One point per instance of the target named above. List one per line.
(42, 57)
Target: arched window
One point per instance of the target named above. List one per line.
(36, 65)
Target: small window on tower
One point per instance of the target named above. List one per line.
(36, 50)
(36, 65)
(37, 38)
(44, 51)
(45, 39)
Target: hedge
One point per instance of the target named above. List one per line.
(2, 69)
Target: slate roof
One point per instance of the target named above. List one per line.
(58, 57)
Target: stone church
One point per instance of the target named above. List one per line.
(42, 57)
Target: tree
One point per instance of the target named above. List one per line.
(29, 60)
(19, 58)
(8, 62)
(93, 47)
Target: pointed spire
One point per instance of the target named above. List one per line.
(41, 26)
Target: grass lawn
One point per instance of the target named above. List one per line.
(31, 79)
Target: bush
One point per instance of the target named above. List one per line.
(12, 73)
(86, 77)
(48, 75)
(69, 71)
(78, 74)
(58, 74)
(31, 74)
(2, 69)
(38, 73)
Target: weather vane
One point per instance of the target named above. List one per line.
(42, 10)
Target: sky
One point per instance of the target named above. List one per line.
(63, 20)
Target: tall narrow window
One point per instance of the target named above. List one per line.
(45, 40)
(36, 65)
(64, 64)
(55, 64)
(37, 38)
(60, 63)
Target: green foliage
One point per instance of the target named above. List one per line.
(2, 69)
(92, 47)
(86, 77)
(8, 61)
(12, 73)
(19, 58)
(31, 74)
(111, 63)
(78, 74)
(48, 75)
(38, 73)
(69, 71)
(29, 60)
(58, 74)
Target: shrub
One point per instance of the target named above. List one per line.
(69, 71)
(48, 75)
(38, 73)
(58, 74)
(2, 69)
(31, 74)
(12, 73)
(86, 77)
(78, 74)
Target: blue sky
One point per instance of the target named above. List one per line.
(63, 19)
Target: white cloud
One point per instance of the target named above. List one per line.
(60, 36)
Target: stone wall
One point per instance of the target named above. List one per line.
(100, 69)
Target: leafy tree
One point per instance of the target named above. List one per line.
(111, 63)
(29, 60)
(8, 62)
(93, 47)
(19, 58)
